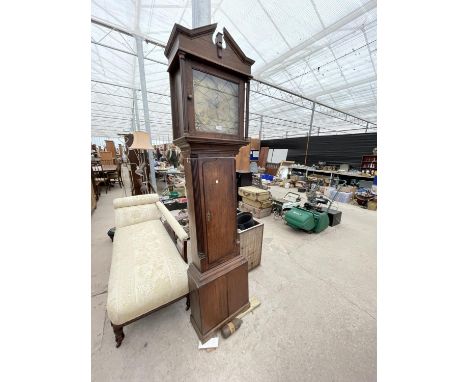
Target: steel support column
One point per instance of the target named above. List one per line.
(367, 126)
(260, 130)
(311, 118)
(310, 131)
(144, 99)
(137, 111)
(201, 13)
(133, 111)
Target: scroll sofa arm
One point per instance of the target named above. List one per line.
(174, 224)
(135, 209)
(136, 200)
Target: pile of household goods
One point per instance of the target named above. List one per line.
(343, 194)
(298, 181)
(255, 200)
(366, 199)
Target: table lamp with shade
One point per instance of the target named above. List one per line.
(141, 142)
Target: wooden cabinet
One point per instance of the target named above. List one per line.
(262, 159)
(110, 147)
(243, 159)
(107, 158)
(255, 144)
(369, 164)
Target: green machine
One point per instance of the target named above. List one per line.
(307, 220)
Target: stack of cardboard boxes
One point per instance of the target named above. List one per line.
(255, 200)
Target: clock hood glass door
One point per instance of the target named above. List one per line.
(216, 104)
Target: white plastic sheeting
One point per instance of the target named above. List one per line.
(324, 50)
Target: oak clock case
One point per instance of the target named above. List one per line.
(209, 100)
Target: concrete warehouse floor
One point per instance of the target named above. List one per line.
(316, 321)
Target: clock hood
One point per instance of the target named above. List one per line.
(193, 41)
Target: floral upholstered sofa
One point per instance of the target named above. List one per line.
(147, 271)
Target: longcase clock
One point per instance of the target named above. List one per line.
(209, 81)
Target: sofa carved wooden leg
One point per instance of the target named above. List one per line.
(187, 303)
(119, 334)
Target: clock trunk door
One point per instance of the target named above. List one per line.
(220, 209)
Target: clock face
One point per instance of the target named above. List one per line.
(216, 104)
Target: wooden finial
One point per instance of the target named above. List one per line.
(219, 44)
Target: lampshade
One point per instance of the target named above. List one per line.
(141, 141)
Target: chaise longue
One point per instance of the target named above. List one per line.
(149, 261)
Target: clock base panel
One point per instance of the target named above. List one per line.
(217, 295)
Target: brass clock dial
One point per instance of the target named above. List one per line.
(216, 103)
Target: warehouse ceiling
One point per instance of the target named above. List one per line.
(322, 50)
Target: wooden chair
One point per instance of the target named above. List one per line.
(99, 176)
(107, 158)
(115, 175)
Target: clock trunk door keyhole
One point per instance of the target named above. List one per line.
(217, 181)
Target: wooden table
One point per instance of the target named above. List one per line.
(167, 171)
(109, 167)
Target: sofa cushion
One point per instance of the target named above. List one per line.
(126, 216)
(135, 200)
(146, 272)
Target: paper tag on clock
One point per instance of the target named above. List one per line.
(219, 128)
